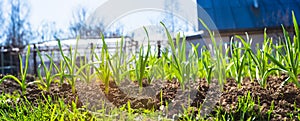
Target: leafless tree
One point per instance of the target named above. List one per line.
(79, 27)
(173, 22)
(47, 31)
(1, 21)
(171, 6)
(18, 33)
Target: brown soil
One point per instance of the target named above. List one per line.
(284, 98)
(33, 93)
(92, 94)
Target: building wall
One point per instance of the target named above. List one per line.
(257, 39)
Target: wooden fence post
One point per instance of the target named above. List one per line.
(13, 62)
(136, 47)
(34, 60)
(92, 56)
(2, 59)
(158, 48)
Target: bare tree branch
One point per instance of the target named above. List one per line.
(19, 31)
(2, 21)
(78, 26)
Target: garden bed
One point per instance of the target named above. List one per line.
(241, 84)
(285, 100)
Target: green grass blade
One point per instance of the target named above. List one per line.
(12, 77)
(296, 28)
(26, 62)
(63, 55)
(21, 64)
(42, 61)
(276, 62)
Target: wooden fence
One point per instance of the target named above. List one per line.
(9, 63)
(9, 60)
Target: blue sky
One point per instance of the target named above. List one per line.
(59, 11)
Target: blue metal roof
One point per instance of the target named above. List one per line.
(242, 14)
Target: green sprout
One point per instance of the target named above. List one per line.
(291, 58)
(48, 72)
(23, 71)
(104, 71)
(141, 62)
